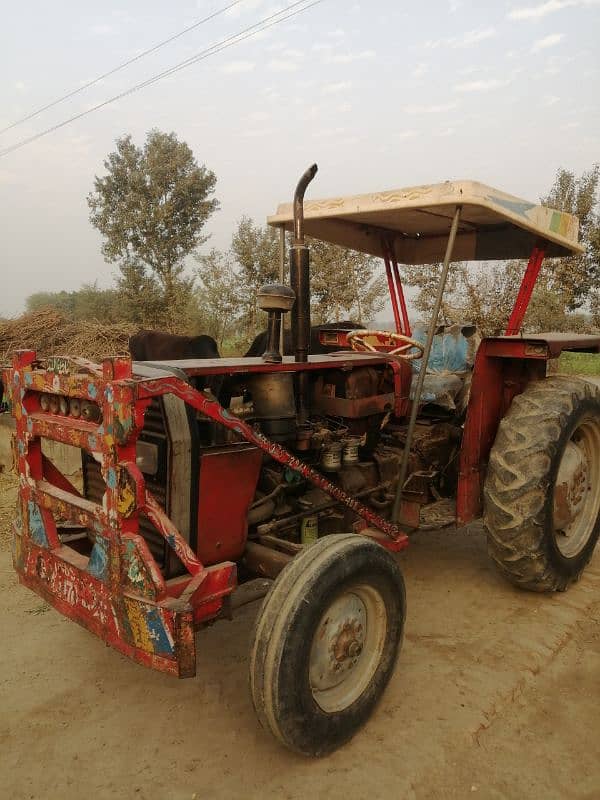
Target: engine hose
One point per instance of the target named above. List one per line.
(268, 497)
(381, 504)
(261, 513)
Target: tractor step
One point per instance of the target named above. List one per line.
(440, 514)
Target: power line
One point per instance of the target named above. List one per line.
(118, 68)
(246, 33)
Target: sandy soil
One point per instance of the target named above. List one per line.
(496, 695)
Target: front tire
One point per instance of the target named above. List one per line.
(326, 642)
(542, 488)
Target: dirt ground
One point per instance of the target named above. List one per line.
(496, 695)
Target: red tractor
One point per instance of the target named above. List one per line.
(317, 470)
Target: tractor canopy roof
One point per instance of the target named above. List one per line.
(416, 223)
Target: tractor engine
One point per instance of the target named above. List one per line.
(353, 436)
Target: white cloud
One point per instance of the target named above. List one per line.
(259, 116)
(569, 126)
(349, 58)
(550, 100)
(257, 133)
(20, 86)
(471, 70)
(408, 134)
(480, 86)
(549, 7)
(420, 69)
(334, 88)
(548, 41)
(338, 33)
(328, 133)
(279, 65)
(102, 29)
(240, 8)
(291, 53)
(236, 67)
(467, 39)
(432, 109)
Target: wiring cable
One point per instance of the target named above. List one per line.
(252, 30)
(119, 67)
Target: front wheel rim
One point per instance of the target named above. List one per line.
(347, 647)
(576, 500)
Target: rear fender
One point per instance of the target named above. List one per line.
(503, 368)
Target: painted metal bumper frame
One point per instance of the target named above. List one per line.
(119, 592)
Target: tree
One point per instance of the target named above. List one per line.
(255, 251)
(573, 278)
(86, 303)
(344, 283)
(151, 207)
(485, 294)
(217, 297)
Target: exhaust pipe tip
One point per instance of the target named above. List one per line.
(306, 178)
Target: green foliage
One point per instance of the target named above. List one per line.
(89, 302)
(579, 363)
(150, 208)
(573, 278)
(344, 283)
(217, 297)
(255, 253)
(566, 295)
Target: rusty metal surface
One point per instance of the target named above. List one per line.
(555, 342)
(117, 591)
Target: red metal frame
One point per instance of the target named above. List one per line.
(525, 290)
(503, 368)
(396, 290)
(119, 592)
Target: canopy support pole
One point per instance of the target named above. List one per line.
(282, 262)
(525, 290)
(395, 287)
(414, 410)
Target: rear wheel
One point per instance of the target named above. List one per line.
(542, 489)
(326, 642)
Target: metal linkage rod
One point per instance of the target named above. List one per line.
(282, 262)
(425, 360)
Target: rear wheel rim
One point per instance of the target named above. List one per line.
(576, 501)
(347, 647)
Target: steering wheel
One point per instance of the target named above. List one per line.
(356, 339)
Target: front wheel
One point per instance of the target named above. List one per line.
(542, 489)
(326, 642)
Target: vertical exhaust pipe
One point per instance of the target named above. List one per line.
(300, 283)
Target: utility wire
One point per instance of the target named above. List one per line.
(118, 68)
(267, 22)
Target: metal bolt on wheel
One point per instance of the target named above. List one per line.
(326, 642)
(347, 647)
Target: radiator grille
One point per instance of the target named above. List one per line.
(94, 485)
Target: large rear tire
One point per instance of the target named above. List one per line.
(542, 488)
(326, 642)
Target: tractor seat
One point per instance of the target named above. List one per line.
(448, 375)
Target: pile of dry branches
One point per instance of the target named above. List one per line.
(49, 332)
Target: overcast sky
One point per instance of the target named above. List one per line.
(382, 94)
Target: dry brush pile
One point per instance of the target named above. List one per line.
(49, 333)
